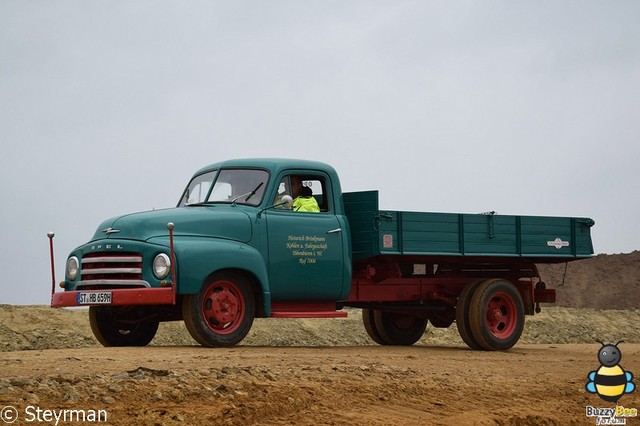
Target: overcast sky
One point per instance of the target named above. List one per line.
(520, 107)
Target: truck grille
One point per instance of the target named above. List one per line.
(111, 270)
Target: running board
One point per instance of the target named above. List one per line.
(305, 310)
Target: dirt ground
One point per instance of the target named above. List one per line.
(311, 371)
(347, 385)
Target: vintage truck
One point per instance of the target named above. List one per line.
(233, 250)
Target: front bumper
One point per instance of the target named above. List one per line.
(119, 297)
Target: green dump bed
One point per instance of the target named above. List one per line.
(539, 238)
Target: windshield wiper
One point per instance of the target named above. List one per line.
(249, 194)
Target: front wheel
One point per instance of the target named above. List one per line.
(496, 315)
(222, 312)
(121, 326)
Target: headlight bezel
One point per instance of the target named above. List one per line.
(161, 266)
(72, 268)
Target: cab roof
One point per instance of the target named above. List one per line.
(275, 165)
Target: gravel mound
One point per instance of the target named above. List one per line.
(41, 327)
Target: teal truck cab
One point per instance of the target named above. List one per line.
(234, 249)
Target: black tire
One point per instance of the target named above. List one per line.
(117, 326)
(496, 315)
(442, 319)
(222, 312)
(462, 315)
(399, 329)
(370, 326)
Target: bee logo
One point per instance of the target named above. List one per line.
(610, 381)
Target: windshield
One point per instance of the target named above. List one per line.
(240, 186)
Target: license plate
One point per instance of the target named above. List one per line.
(94, 298)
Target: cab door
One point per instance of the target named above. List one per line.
(306, 249)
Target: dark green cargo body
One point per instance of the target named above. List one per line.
(541, 239)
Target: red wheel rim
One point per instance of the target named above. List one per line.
(223, 307)
(501, 315)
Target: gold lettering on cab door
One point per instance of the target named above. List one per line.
(307, 248)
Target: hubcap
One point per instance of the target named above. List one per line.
(222, 307)
(501, 315)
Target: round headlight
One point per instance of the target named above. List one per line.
(161, 266)
(73, 266)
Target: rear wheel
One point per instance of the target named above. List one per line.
(496, 315)
(121, 326)
(442, 319)
(399, 329)
(370, 326)
(222, 312)
(462, 315)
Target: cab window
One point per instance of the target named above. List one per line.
(316, 185)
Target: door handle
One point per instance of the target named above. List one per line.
(334, 231)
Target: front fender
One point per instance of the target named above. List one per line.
(198, 257)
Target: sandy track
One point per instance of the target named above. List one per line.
(359, 385)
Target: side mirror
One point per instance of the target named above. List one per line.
(286, 201)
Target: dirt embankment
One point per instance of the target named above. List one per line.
(606, 281)
(40, 327)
